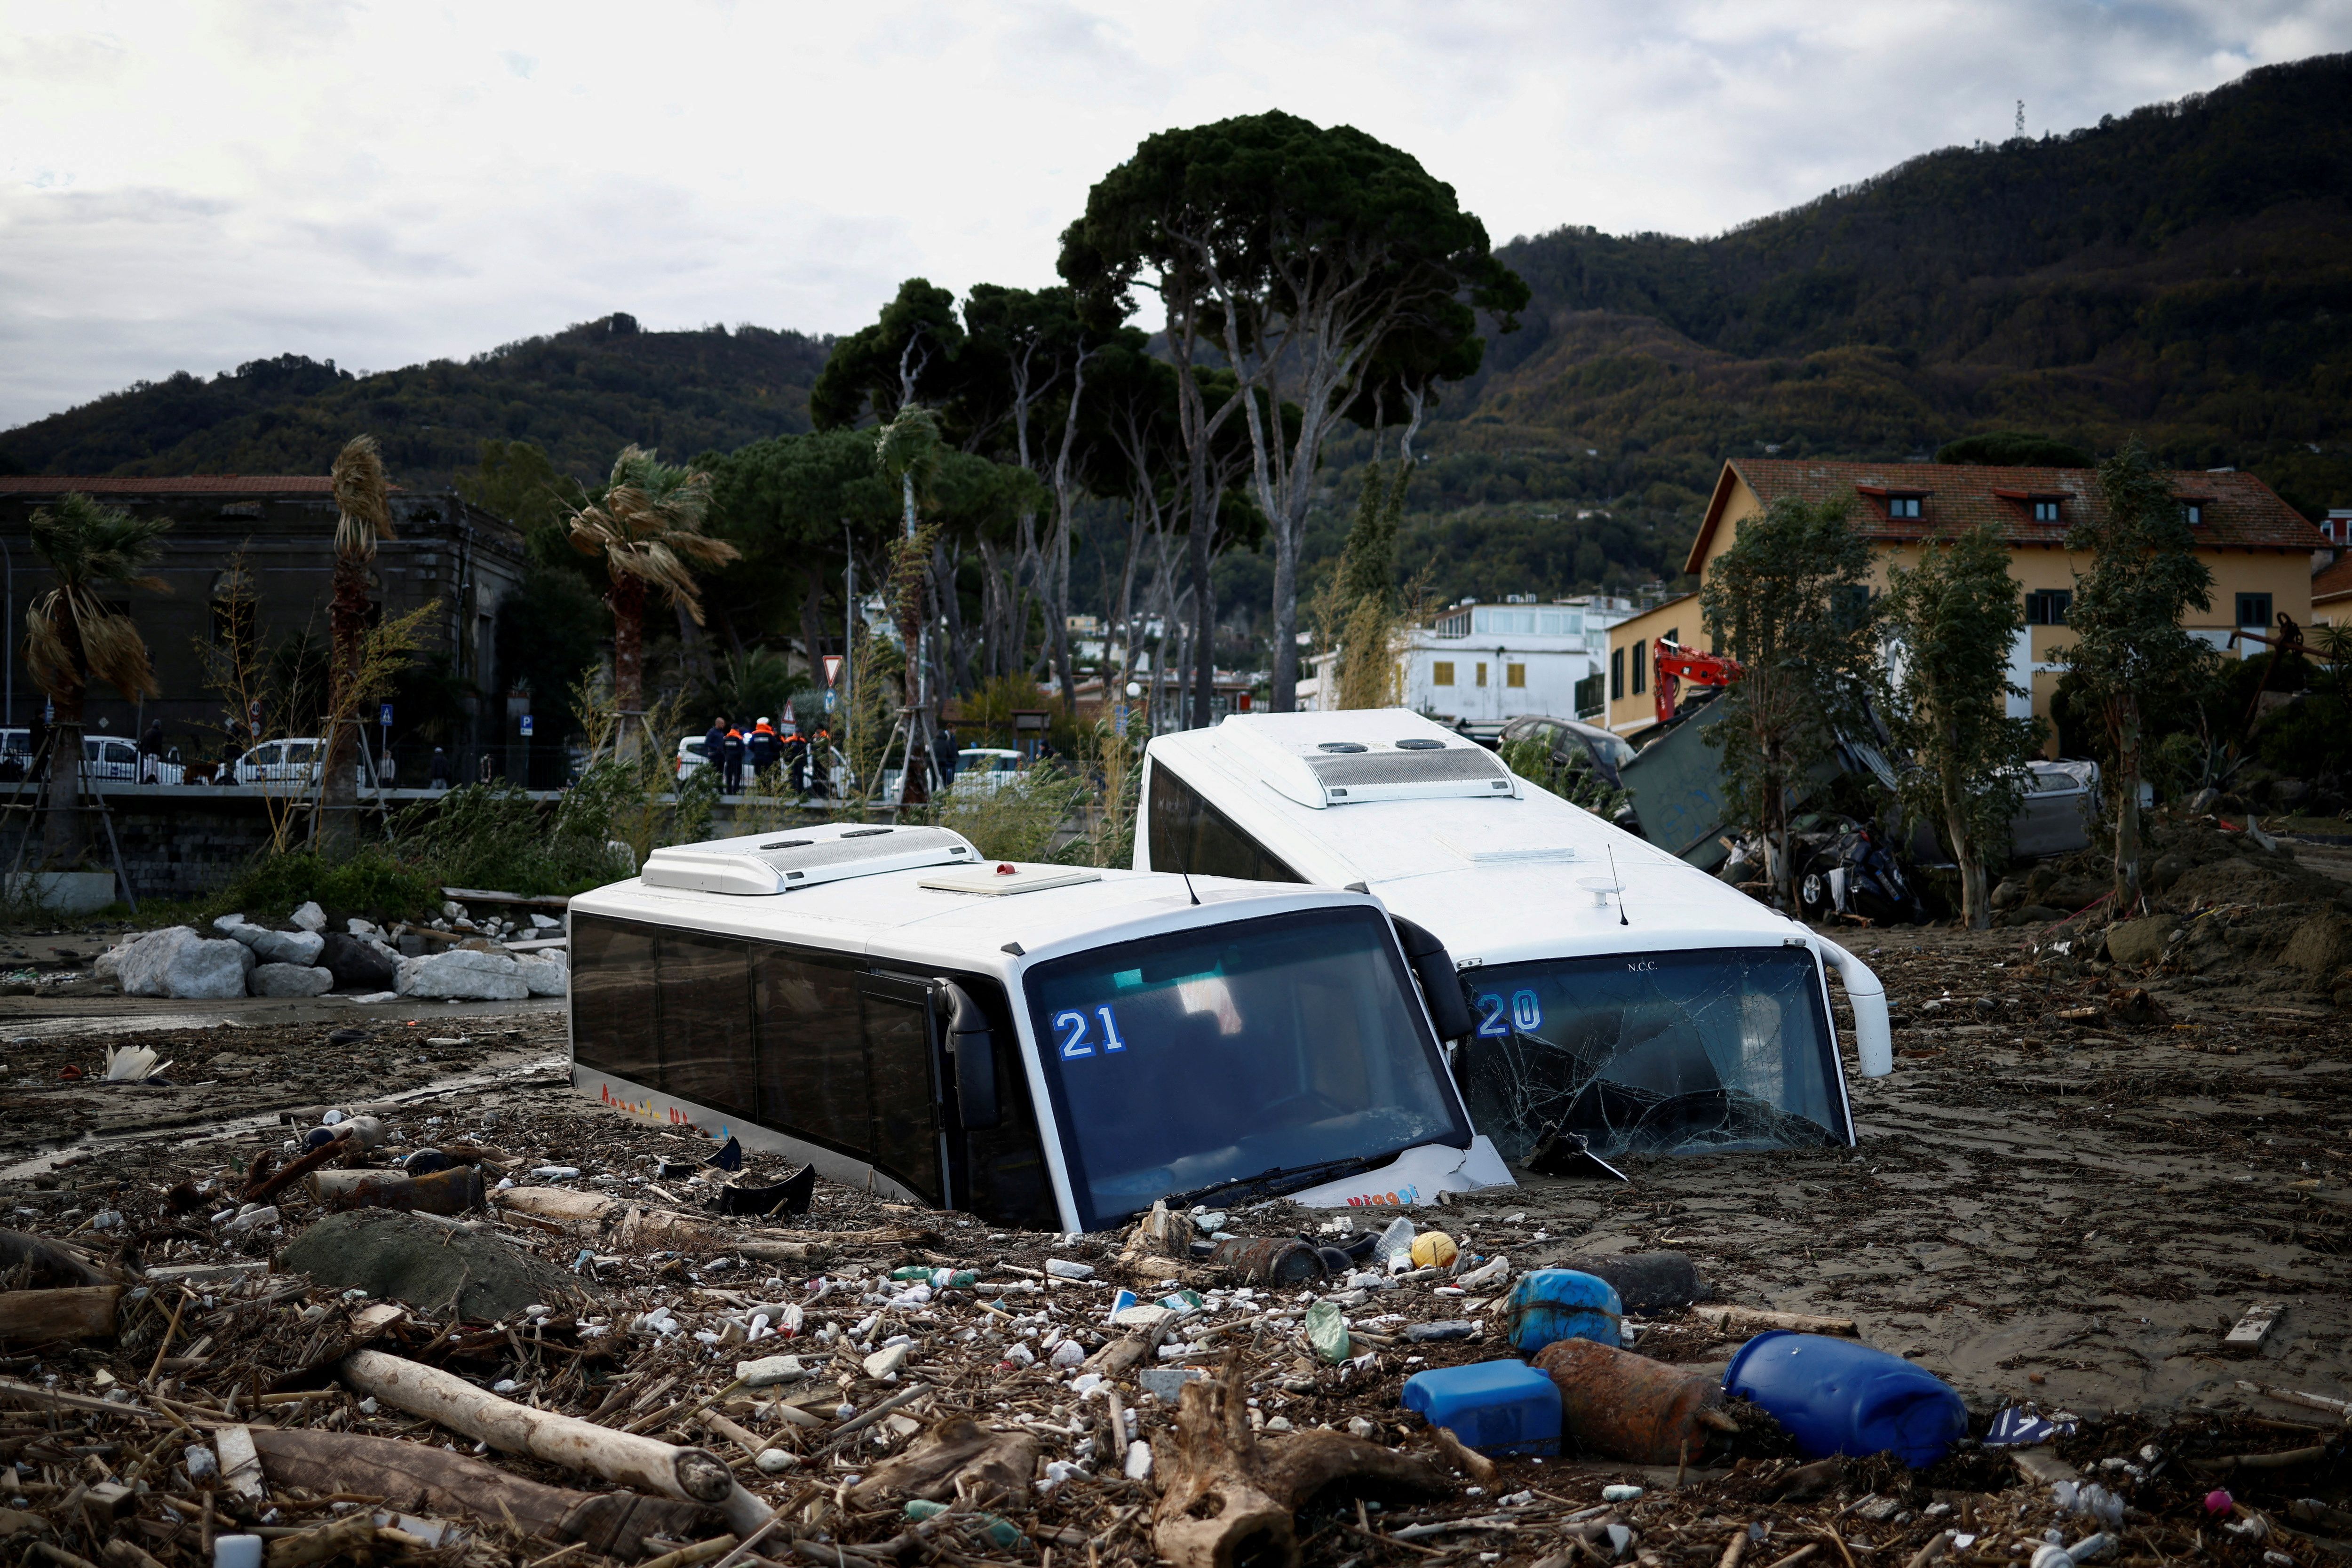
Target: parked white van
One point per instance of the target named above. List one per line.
(1620, 995)
(1041, 1046)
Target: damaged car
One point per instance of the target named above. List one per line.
(1622, 1001)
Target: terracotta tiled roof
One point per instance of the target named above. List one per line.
(2241, 513)
(174, 485)
(2335, 583)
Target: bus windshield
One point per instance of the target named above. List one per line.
(1706, 1050)
(1285, 1043)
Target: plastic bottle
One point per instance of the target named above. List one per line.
(1394, 1248)
(1548, 1305)
(1839, 1397)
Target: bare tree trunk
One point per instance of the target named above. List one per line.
(2127, 765)
(63, 839)
(1058, 616)
(347, 652)
(626, 599)
(813, 626)
(1285, 619)
(1205, 618)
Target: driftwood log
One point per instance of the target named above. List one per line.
(54, 1263)
(1748, 1319)
(689, 1475)
(1230, 1500)
(956, 1457)
(44, 1317)
(413, 1478)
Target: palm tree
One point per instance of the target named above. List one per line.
(71, 634)
(648, 529)
(363, 516)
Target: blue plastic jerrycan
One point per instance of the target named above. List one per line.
(1494, 1406)
(1549, 1304)
(1836, 1396)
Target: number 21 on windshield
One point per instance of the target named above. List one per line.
(1072, 1026)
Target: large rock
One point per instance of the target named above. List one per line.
(176, 962)
(358, 966)
(286, 946)
(290, 980)
(2141, 941)
(309, 916)
(2320, 946)
(460, 974)
(427, 1265)
(544, 976)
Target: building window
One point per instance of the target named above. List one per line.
(1482, 672)
(2253, 609)
(1442, 673)
(2047, 607)
(1515, 675)
(1849, 605)
(1902, 506)
(2045, 512)
(1616, 673)
(1641, 668)
(2195, 511)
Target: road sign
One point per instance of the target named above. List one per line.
(383, 716)
(828, 701)
(832, 668)
(526, 726)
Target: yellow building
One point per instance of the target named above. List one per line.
(2260, 550)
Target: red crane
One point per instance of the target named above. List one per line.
(1672, 664)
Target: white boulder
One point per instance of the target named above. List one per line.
(288, 947)
(292, 979)
(225, 923)
(310, 917)
(176, 962)
(463, 974)
(543, 975)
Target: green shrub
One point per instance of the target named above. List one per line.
(495, 836)
(374, 882)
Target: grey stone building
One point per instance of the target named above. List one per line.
(279, 531)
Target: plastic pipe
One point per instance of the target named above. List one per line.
(1874, 1040)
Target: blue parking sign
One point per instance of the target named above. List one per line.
(526, 726)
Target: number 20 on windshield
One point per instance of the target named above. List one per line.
(1072, 1025)
(1526, 1015)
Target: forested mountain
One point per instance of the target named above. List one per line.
(2183, 272)
(580, 395)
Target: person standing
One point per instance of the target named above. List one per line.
(950, 753)
(151, 753)
(440, 768)
(731, 772)
(762, 749)
(796, 761)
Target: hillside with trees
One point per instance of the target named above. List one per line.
(2182, 273)
(579, 395)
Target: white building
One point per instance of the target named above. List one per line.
(1483, 664)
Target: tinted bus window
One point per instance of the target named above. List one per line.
(705, 1020)
(905, 1141)
(612, 1001)
(813, 1076)
(1188, 834)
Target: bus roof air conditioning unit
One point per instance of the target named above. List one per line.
(1342, 759)
(767, 863)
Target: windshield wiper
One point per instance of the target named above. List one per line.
(1275, 1181)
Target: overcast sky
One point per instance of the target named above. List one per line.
(185, 186)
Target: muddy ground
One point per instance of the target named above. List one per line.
(2064, 1194)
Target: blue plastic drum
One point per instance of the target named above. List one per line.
(1549, 1304)
(1836, 1396)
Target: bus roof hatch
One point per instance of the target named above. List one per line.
(767, 863)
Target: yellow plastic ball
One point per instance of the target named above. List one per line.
(1434, 1250)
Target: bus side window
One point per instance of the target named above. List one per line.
(1188, 834)
(1004, 1166)
(613, 1012)
(899, 1056)
(705, 1020)
(812, 1053)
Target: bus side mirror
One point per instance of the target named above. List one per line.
(1434, 967)
(975, 1062)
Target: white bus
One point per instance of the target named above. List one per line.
(1619, 994)
(1047, 1047)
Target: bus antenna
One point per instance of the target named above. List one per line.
(1620, 886)
(1188, 886)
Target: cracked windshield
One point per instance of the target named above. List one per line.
(1698, 1052)
(1199, 1058)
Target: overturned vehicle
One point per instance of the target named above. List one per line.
(1046, 1047)
(1623, 1001)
